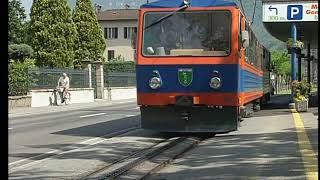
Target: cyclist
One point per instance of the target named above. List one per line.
(64, 83)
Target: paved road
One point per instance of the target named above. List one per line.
(270, 145)
(36, 134)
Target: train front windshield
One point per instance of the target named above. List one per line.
(187, 33)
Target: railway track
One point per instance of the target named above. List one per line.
(138, 164)
(142, 164)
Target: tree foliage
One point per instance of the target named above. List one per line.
(120, 66)
(18, 79)
(19, 51)
(281, 62)
(16, 17)
(27, 38)
(53, 33)
(90, 43)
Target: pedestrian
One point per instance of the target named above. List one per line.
(64, 83)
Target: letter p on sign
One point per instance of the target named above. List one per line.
(294, 12)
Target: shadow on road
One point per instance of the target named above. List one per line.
(227, 156)
(263, 155)
(279, 105)
(102, 128)
(244, 156)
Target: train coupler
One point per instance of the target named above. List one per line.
(185, 116)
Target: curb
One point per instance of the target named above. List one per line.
(29, 111)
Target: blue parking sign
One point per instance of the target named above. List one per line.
(294, 12)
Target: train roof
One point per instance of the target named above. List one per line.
(193, 3)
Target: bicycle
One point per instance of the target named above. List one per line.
(61, 96)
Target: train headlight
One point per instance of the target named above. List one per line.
(215, 83)
(155, 83)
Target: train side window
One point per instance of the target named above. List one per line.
(254, 51)
(240, 30)
(247, 50)
(259, 56)
(263, 61)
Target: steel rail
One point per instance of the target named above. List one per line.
(135, 159)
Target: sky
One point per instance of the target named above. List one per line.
(106, 4)
(27, 5)
(118, 4)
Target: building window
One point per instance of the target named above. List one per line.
(111, 33)
(110, 54)
(128, 31)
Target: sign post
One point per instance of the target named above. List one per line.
(293, 56)
(291, 12)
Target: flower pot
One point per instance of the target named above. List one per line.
(301, 106)
(298, 50)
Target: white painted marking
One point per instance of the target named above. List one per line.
(101, 139)
(9, 128)
(125, 102)
(90, 115)
(21, 160)
(83, 142)
(129, 115)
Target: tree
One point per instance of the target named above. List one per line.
(27, 38)
(18, 78)
(91, 42)
(53, 33)
(19, 52)
(281, 61)
(16, 22)
(282, 68)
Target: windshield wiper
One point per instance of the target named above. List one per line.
(166, 16)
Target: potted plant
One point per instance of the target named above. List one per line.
(298, 45)
(301, 90)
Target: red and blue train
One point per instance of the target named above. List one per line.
(199, 68)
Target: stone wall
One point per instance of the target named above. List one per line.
(43, 97)
(119, 93)
(19, 101)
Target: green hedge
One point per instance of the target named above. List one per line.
(120, 66)
(18, 80)
(19, 51)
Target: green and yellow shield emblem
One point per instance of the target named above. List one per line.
(185, 76)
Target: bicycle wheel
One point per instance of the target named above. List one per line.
(58, 100)
(67, 98)
(52, 99)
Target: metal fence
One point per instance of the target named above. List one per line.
(46, 78)
(119, 79)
